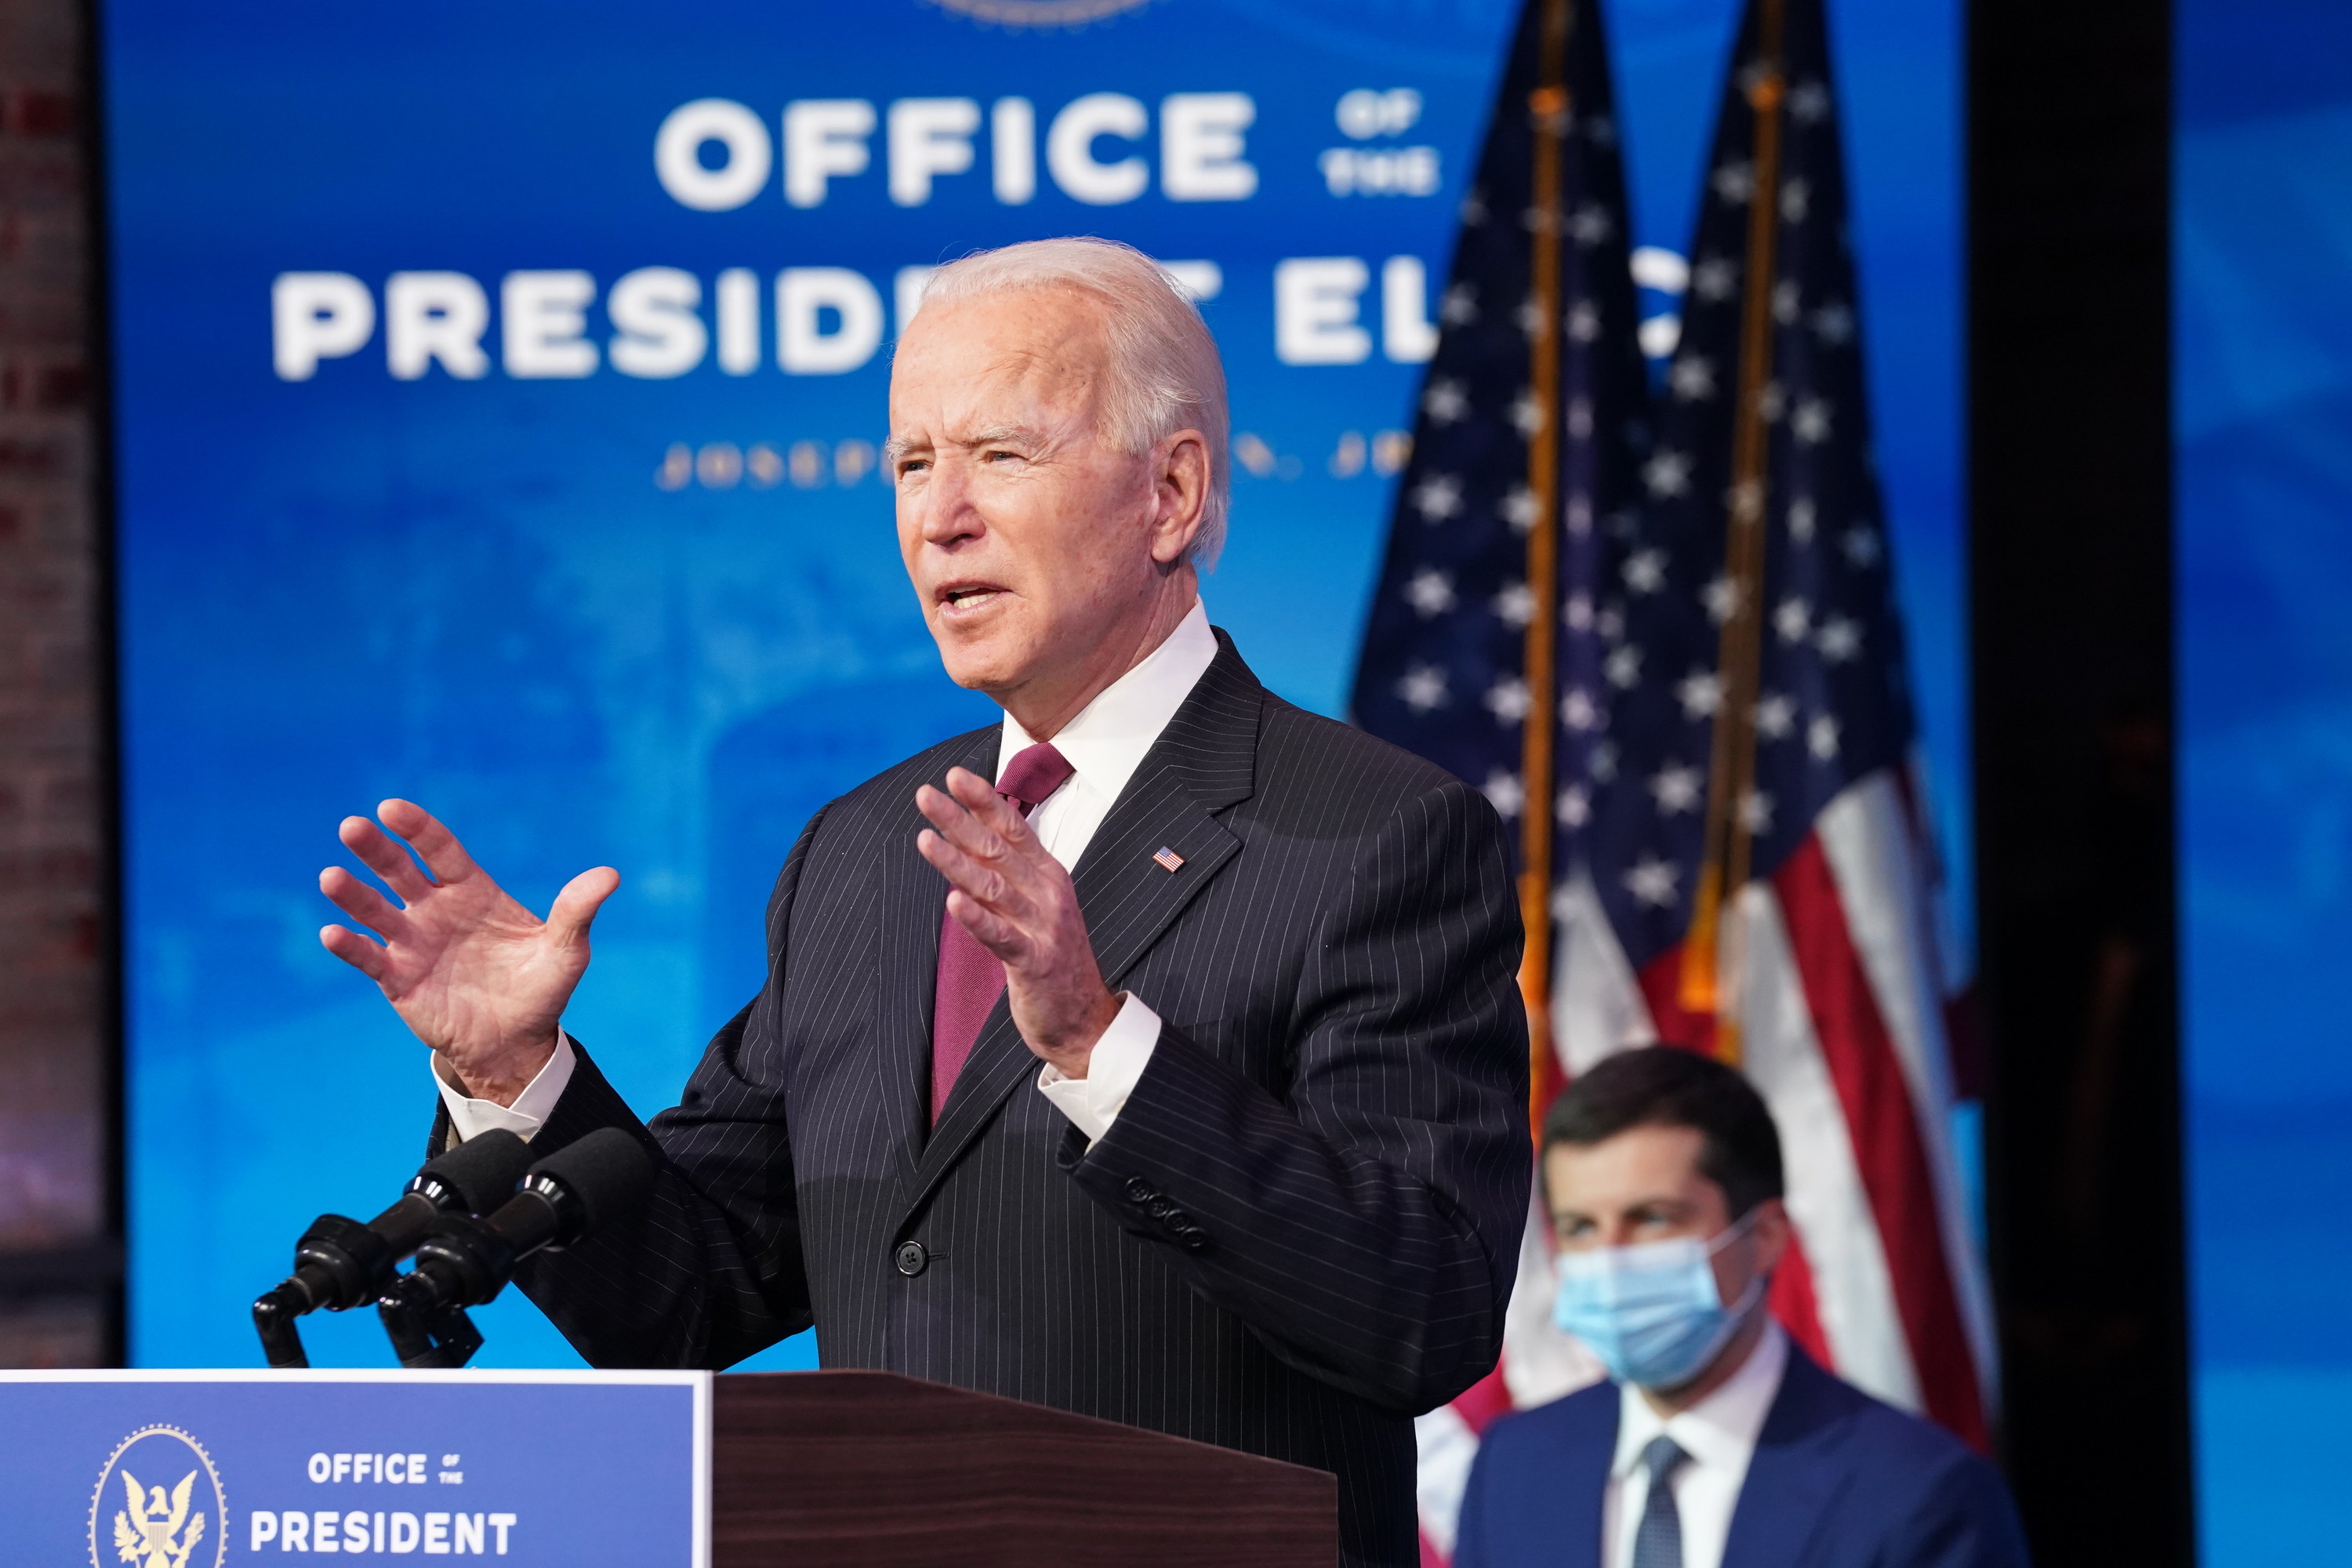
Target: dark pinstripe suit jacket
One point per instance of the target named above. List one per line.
(1300, 1232)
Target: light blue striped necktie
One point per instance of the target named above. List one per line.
(1658, 1543)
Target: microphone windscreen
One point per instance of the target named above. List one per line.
(606, 1172)
(483, 1169)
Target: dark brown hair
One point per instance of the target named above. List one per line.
(1661, 1086)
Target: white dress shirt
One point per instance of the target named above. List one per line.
(1719, 1434)
(1104, 745)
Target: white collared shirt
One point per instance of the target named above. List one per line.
(1719, 1434)
(1104, 745)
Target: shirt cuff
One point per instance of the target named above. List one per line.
(1093, 1102)
(533, 1107)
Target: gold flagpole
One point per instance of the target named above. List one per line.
(1714, 949)
(1548, 118)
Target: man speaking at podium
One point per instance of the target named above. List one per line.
(1177, 1078)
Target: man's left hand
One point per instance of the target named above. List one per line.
(1021, 905)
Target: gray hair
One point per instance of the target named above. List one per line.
(1164, 374)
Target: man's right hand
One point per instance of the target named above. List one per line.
(479, 977)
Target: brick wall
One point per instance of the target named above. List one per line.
(55, 1261)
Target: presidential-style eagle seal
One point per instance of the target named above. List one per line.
(1040, 13)
(176, 1518)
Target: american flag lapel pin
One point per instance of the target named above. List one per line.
(1168, 859)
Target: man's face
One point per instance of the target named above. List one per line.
(1645, 1184)
(1030, 540)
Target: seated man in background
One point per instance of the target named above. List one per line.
(1719, 1444)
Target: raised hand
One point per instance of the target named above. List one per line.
(479, 977)
(1019, 903)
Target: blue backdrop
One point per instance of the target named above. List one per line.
(560, 534)
(2263, 245)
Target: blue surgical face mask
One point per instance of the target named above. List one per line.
(1652, 1311)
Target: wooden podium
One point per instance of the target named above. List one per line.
(868, 1469)
(654, 1469)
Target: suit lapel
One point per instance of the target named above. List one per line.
(914, 899)
(1575, 1529)
(1793, 1479)
(1202, 763)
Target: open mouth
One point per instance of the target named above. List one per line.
(966, 598)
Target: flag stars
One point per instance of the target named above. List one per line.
(1771, 402)
(1775, 717)
(1528, 414)
(1786, 301)
(1445, 402)
(1602, 765)
(1515, 603)
(1505, 793)
(1822, 738)
(1793, 619)
(1578, 711)
(1644, 571)
(1430, 592)
(1423, 688)
(1809, 103)
(1677, 789)
(1701, 694)
(1839, 641)
(1721, 597)
(1796, 201)
(1599, 130)
(1583, 323)
(1652, 883)
(1574, 808)
(1803, 517)
(1459, 305)
(1577, 613)
(1590, 225)
(1810, 423)
(1862, 547)
(1756, 812)
(1473, 208)
(1733, 182)
(1622, 666)
(1529, 317)
(1518, 508)
(1507, 699)
(1667, 474)
(1714, 279)
(1438, 498)
(1833, 324)
(1692, 378)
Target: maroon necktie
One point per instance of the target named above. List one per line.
(970, 976)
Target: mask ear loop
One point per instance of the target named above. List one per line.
(1730, 1233)
(1754, 1294)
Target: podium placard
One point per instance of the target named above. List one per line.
(654, 1469)
(202, 1469)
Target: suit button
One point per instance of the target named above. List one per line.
(1193, 1240)
(1162, 1209)
(911, 1259)
(1139, 1191)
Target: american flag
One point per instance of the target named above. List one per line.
(1445, 669)
(1733, 715)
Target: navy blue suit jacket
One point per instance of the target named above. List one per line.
(1839, 1480)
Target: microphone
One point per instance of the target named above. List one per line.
(464, 1260)
(339, 1263)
